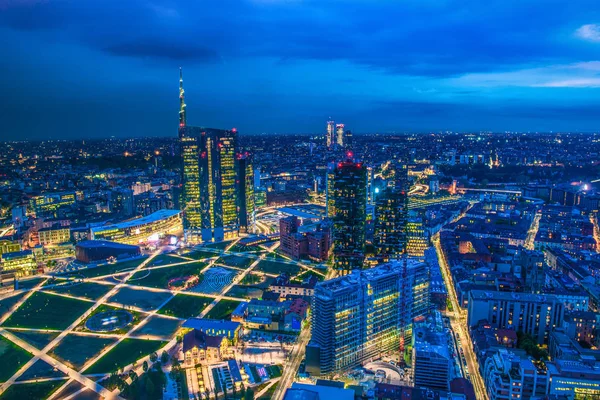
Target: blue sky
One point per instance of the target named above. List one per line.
(88, 68)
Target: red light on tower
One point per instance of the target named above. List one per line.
(234, 130)
(349, 154)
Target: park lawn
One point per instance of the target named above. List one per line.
(47, 311)
(39, 390)
(201, 254)
(30, 283)
(223, 309)
(109, 269)
(274, 267)
(144, 299)
(159, 326)
(185, 306)
(76, 350)
(236, 261)
(123, 354)
(247, 292)
(164, 259)
(218, 245)
(7, 303)
(13, 358)
(39, 370)
(36, 339)
(160, 277)
(88, 290)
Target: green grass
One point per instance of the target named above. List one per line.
(13, 358)
(88, 290)
(159, 326)
(123, 354)
(185, 306)
(137, 317)
(246, 292)
(7, 303)
(274, 267)
(109, 268)
(165, 259)
(29, 283)
(34, 338)
(159, 278)
(218, 245)
(223, 309)
(40, 390)
(144, 299)
(39, 370)
(236, 261)
(47, 311)
(201, 254)
(75, 350)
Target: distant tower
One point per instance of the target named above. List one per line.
(182, 118)
(339, 133)
(245, 194)
(330, 133)
(349, 190)
(348, 139)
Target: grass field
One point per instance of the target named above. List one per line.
(7, 303)
(143, 299)
(36, 339)
(159, 278)
(159, 326)
(247, 292)
(123, 354)
(39, 390)
(136, 319)
(88, 290)
(236, 261)
(223, 309)
(201, 254)
(47, 311)
(218, 245)
(274, 267)
(165, 259)
(109, 268)
(29, 283)
(75, 350)
(13, 357)
(41, 369)
(185, 306)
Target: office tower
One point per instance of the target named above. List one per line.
(257, 183)
(330, 133)
(121, 202)
(391, 217)
(209, 175)
(358, 316)
(245, 192)
(349, 188)
(348, 139)
(329, 179)
(432, 361)
(339, 135)
(218, 189)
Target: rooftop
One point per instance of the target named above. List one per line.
(148, 219)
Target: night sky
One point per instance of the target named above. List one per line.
(87, 68)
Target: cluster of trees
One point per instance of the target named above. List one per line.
(527, 342)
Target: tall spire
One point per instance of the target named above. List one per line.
(182, 120)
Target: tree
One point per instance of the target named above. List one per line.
(149, 387)
(164, 357)
(145, 366)
(153, 357)
(132, 375)
(249, 394)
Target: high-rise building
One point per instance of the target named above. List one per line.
(210, 191)
(218, 189)
(349, 190)
(245, 191)
(329, 199)
(391, 217)
(358, 316)
(330, 139)
(339, 135)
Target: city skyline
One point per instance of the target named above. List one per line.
(285, 66)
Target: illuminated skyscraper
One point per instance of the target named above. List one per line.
(245, 193)
(391, 217)
(348, 139)
(218, 188)
(329, 199)
(330, 134)
(209, 194)
(339, 135)
(349, 191)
